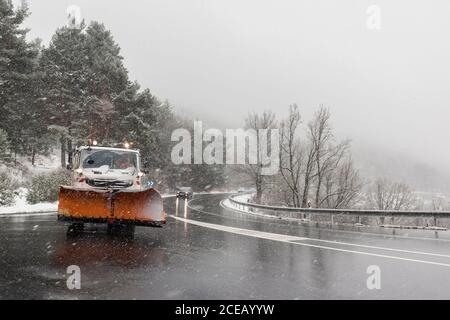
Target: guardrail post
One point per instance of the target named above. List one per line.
(332, 220)
(435, 224)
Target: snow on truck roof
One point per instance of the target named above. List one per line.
(107, 148)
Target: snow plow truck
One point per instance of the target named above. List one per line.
(109, 186)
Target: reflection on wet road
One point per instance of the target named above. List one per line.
(208, 252)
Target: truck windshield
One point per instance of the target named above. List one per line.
(114, 159)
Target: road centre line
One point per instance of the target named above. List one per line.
(298, 240)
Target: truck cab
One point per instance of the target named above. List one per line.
(108, 168)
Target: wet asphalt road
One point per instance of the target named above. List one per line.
(185, 260)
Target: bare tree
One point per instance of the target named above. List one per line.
(342, 186)
(291, 155)
(296, 160)
(308, 172)
(316, 163)
(387, 195)
(327, 156)
(255, 121)
(439, 203)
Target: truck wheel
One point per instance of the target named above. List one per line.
(110, 228)
(128, 230)
(76, 227)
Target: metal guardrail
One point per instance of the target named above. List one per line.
(359, 212)
(307, 213)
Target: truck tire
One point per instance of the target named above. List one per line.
(110, 228)
(128, 230)
(76, 227)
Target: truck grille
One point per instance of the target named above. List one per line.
(109, 183)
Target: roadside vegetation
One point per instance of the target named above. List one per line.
(44, 187)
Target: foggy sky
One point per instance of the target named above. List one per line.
(221, 59)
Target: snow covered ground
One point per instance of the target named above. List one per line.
(242, 198)
(21, 205)
(42, 164)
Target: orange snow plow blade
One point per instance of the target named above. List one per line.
(141, 207)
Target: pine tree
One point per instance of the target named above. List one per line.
(4, 147)
(64, 65)
(108, 80)
(18, 60)
(85, 79)
(146, 122)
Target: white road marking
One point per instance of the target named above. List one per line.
(245, 232)
(291, 239)
(381, 248)
(372, 247)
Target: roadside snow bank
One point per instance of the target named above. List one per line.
(242, 198)
(21, 206)
(30, 208)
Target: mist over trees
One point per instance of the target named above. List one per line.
(384, 194)
(253, 171)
